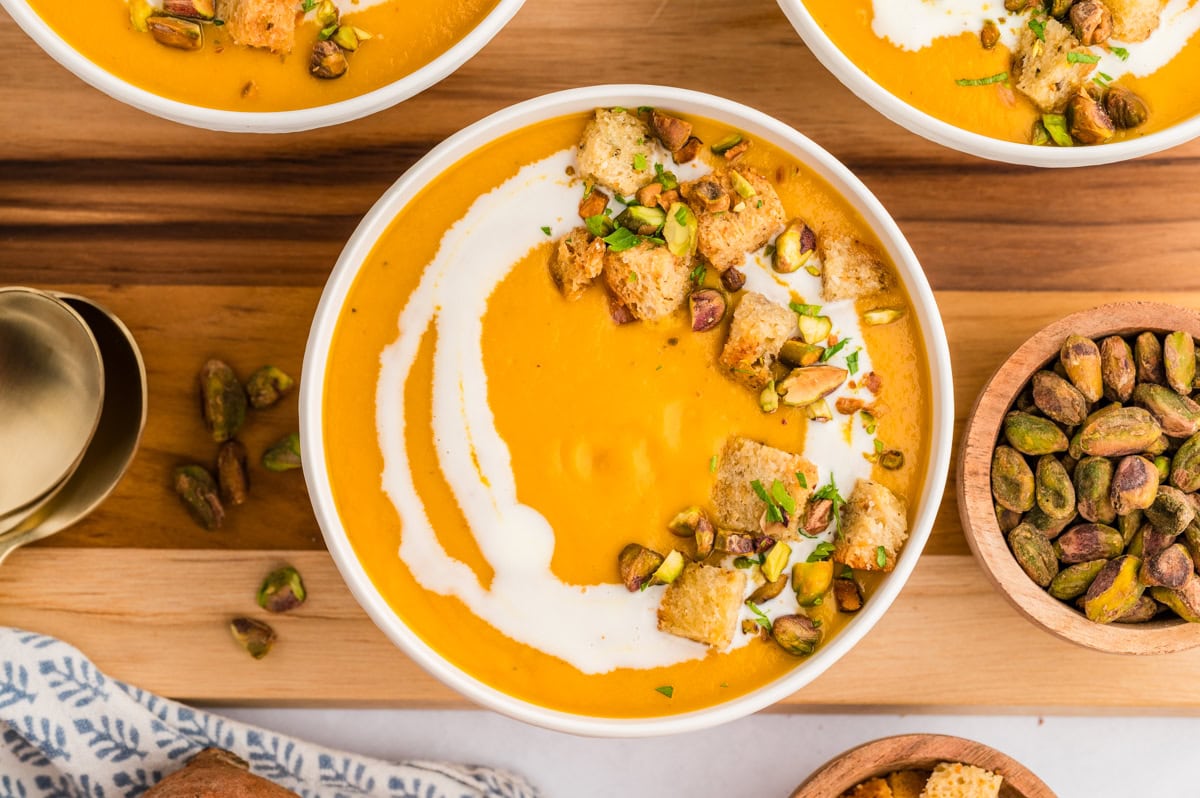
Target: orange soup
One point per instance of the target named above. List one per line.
(500, 454)
(405, 35)
(985, 69)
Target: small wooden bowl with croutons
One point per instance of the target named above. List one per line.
(911, 765)
(1112, 530)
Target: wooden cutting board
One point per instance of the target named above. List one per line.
(212, 244)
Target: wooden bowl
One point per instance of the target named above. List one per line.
(975, 493)
(919, 752)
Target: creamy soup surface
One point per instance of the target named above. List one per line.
(492, 446)
(920, 50)
(405, 36)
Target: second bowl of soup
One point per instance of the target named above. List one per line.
(628, 411)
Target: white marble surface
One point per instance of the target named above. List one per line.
(763, 756)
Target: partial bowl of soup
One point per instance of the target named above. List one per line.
(1037, 82)
(627, 411)
(266, 66)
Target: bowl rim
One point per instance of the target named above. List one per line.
(472, 138)
(979, 523)
(941, 132)
(918, 748)
(262, 121)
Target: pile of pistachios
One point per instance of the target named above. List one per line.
(223, 403)
(282, 590)
(1095, 479)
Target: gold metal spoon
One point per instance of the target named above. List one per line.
(51, 393)
(116, 440)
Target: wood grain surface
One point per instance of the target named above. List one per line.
(210, 244)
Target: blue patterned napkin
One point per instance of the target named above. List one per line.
(69, 731)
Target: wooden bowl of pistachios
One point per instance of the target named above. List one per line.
(907, 763)
(1079, 478)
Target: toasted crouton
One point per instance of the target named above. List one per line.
(955, 780)
(1042, 71)
(875, 517)
(270, 24)
(875, 788)
(744, 462)
(577, 259)
(725, 236)
(1135, 20)
(702, 604)
(758, 331)
(850, 269)
(647, 279)
(907, 783)
(610, 148)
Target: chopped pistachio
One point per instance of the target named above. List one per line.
(284, 455)
(881, 316)
(815, 329)
(254, 636)
(819, 411)
(643, 220)
(727, 143)
(811, 581)
(180, 34)
(768, 400)
(670, 569)
(794, 247)
(327, 14)
(267, 386)
(776, 560)
(636, 564)
(741, 185)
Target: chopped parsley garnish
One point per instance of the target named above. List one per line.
(625, 200)
(327, 32)
(846, 573)
(803, 480)
(639, 162)
(999, 77)
(681, 214)
(597, 225)
(622, 239)
(830, 492)
(616, 109)
(760, 617)
(665, 179)
(881, 556)
(1038, 27)
(644, 109)
(1120, 52)
(769, 251)
(781, 496)
(774, 515)
(759, 205)
(666, 690)
(546, 230)
(308, 5)
(833, 350)
(878, 446)
(852, 362)
(219, 22)
(697, 275)
(712, 464)
(745, 562)
(1082, 58)
(805, 310)
(823, 551)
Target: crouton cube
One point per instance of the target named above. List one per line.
(647, 279)
(874, 518)
(907, 783)
(758, 331)
(875, 788)
(955, 780)
(703, 604)
(1042, 71)
(850, 269)
(577, 259)
(754, 215)
(617, 151)
(270, 24)
(743, 462)
(1135, 20)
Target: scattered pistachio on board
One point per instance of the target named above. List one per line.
(1096, 477)
(254, 636)
(282, 590)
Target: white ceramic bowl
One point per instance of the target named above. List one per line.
(267, 121)
(757, 125)
(955, 137)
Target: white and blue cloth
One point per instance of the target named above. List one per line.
(69, 731)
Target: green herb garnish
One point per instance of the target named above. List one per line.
(852, 362)
(666, 690)
(999, 77)
(639, 162)
(546, 230)
(1082, 58)
(665, 179)
(681, 214)
(781, 496)
(598, 225)
(760, 617)
(622, 239)
(712, 464)
(308, 5)
(745, 562)
(1038, 27)
(644, 109)
(219, 22)
(803, 480)
(881, 556)
(1120, 52)
(823, 551)
(833, 350)
(327, 32)
(774, 515)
